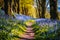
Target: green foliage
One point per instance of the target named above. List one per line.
(14, 29)
(11, 30)
(45, 32)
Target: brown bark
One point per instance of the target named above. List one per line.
(43, 8)
(9, 6)
(18, 6)
(39, 7)
(53, 9)
(6, 6)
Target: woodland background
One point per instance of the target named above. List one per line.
(33, 8)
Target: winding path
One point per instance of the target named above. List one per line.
(29, 34)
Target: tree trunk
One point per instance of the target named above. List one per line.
(22, 10)
(14, 5)
(53, 9)
(39, 7)
(6, 6)
(18, 6)
(43, 8)
(26, 11)
(9, 6)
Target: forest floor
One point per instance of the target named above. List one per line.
(48, 25)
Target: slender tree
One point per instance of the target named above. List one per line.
(22, 6)
(14, 5)
(39, 7)
(18, 6)
(43, 8)
(6, 6)
(53, 9)
(26, 11)
(10, 3)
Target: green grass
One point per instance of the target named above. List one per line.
(14, 29)
(11, 30)
(43, 33)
